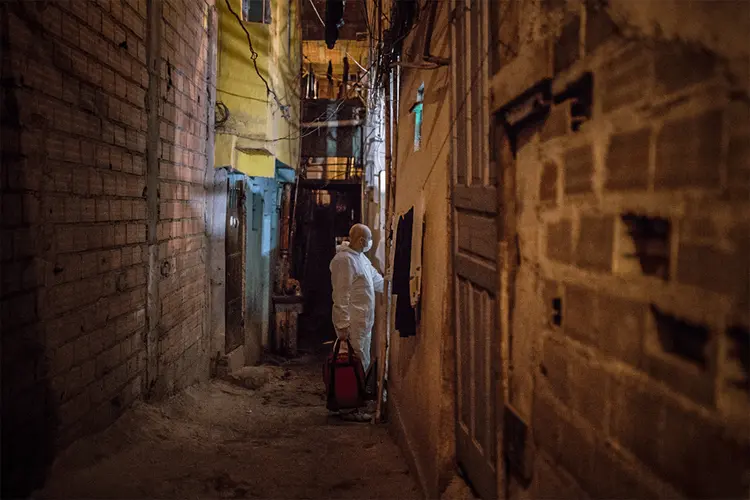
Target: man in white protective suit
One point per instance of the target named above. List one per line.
(355, 282)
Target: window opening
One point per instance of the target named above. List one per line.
(256, 11)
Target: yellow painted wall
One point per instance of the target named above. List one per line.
(287, 59)
(261, 165)
(255, 119)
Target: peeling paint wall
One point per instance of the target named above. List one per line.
(255, 135)
(257, 131)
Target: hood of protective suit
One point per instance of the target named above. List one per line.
(343, 246)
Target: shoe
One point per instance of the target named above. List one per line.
(359, 415)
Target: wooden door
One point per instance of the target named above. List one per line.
(475, 251)
(235, 258)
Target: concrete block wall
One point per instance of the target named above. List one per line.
(635, 266)
(104, 118)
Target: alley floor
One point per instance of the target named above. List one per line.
(221, 440)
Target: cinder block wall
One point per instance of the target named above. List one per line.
(105, 112)
(630, 343)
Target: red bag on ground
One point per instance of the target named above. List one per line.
(344, 379)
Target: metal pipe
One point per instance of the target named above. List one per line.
(285, 222)
(414, 65)
(332, 124)
(383, 341)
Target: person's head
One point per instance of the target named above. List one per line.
(360, 238)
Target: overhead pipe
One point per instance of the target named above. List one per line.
(332, 124)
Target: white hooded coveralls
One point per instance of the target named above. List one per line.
(355, 282)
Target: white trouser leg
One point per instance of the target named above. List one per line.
(361, 345)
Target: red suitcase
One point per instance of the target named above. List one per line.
(344, 379)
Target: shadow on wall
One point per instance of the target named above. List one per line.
(29, 416)
(29, 409)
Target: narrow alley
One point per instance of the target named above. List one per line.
(225, 440)
(375, 249)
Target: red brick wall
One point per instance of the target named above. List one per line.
(81, 338)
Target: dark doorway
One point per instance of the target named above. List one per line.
(235, 256)
(324, 213)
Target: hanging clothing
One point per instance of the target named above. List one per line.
(406, 319)
(391, 233)
(415, 271)
(334, 20)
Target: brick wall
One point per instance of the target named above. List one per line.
(634, 240)
(103, 201)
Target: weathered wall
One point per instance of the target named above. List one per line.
(262, 217)
(104, 148)
(420, 366)
(286, 52)
(630, 332)
(238, 86)
(256, 124)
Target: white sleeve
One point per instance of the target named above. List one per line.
(377, 279)
(342, 276)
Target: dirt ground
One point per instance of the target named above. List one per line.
(222, 440)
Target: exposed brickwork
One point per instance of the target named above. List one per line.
(74, 256)
(716, 269)
(688, 151)
(595, 243)
(599, 27)
(579, 167)
(626, 79)
(182, 161)
(635, 381)
(620, 329)
(548, 184)
(628, 160)
(738, 154)
(560, 241)
(677, 67)
(567, 47)
(738, 166)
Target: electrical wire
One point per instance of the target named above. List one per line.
(327, 114)
(224, 113)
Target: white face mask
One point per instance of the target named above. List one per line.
(368, 246)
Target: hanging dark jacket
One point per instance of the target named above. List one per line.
(406, 317)
(334, 21)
